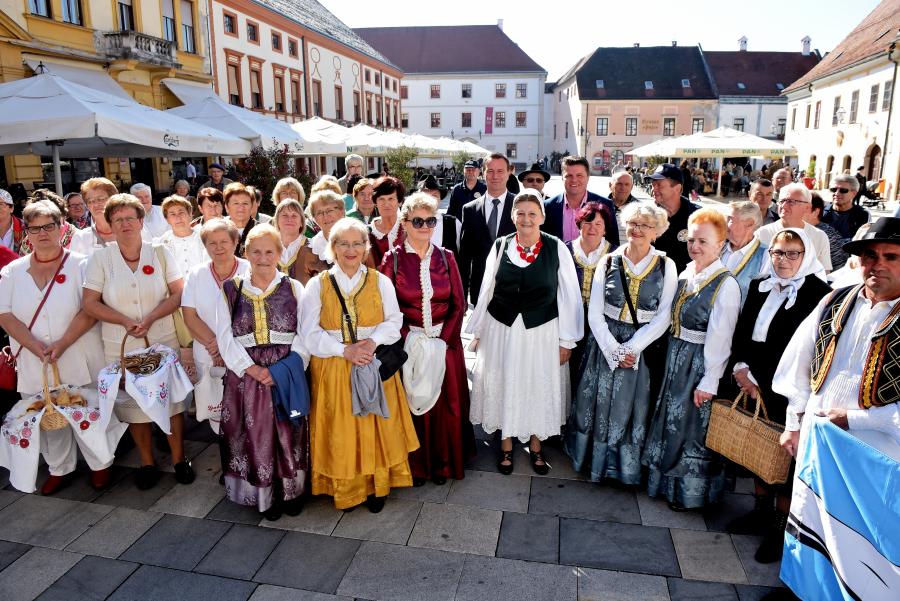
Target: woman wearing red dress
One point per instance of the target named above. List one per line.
(385, 231)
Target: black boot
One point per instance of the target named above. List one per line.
(772, 546)
(756, 520)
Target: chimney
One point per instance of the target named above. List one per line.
(674, 43)
(637, 45)
(500, 24)
(806, 42)
(743, 43)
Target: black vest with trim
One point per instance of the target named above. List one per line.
(527, 291)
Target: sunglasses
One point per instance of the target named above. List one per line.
(429, 222)
(841, 190)
(533, 180)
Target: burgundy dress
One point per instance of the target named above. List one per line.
(266, 460)
(445, 433)
(379, 247)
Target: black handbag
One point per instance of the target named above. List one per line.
(391, 356)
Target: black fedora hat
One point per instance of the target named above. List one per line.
(535, 168)
(886, 229)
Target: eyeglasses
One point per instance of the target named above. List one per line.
(641, 227)
(790, 202)
(325, 213)
(124, 220)
(349, 245)
(37, 229)
(841, 190)
(791, 255)
(419, 223)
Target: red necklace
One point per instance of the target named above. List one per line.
(221, 281)
(35, 257)
(529, 253)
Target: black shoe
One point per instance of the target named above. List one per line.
(505, 469)
(184, 473)
(294, 506)
(439, 480)
(676, 506)
(756, 520)
(772, 546)
(374, 504)
(538, 463)
(273, 513)
(417, 482)
(146, 477)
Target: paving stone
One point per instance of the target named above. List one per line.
(457, 528)
(194, 501)
(176, 542)
(308, 561)
(603, 585)
(318, 517)
(112, 535)
(732, 506)
(226, 511)
(392, 525)
(491, 491)
(753, 593)
(48, 522)
(33, 572)
(126, 493)
(655, 512)
(240, 552)
(80, 489)
(267, 592)
(529, 537)
(9, 552)
(584, 500)
(708, 556)
(8, 496)
(621, 547)
(765, 574)
(91, 578)
(394, 573)
(495, 579)
(198, 431)
(132, 458)
(693, 590)
(559, 462)
(208, 464)
(151, 583)
(429, 493)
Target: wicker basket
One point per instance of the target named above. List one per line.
(748, 439)
(143, 363)
(64, 397)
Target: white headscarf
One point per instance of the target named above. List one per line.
(809, 266)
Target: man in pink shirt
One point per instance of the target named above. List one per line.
(560, 210)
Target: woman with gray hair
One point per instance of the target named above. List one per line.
(297, 258)
(743, 254)
(67, 230)
(356, 457)
(629, 310)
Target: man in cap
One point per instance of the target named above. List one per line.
(667, 192)
(535, 178)
(12, 230)
(217, 178)
(560, 210)
(467, 190)
(354, 165)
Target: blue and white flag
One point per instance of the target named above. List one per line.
(843, 533)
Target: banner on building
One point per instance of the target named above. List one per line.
(489, 120)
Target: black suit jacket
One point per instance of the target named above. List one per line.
(475, 241)
(553, 221)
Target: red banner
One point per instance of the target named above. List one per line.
(489, 120)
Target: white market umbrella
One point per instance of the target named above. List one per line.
(662, 147)
(321, 136)
(365, 139)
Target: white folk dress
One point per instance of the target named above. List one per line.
(188, 250)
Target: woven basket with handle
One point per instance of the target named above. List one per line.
(748, 438)
(56, 396)
(143, 363)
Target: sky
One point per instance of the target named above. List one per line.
(557, 35)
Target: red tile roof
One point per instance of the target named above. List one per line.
(449, 49)
(759, 72)
(871, 37)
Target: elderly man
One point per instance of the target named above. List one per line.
(535, 178)
(781, 178)
(561, 209)
(155, 224)
(793, 205)
(744, 254)
(217, 178)
(839, 363)
(620, 187)
(467, 190)
(12, 229)
(843, 215)
(762, 193)
(667, 194)
(354, 165)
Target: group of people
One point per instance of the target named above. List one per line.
(327, 339)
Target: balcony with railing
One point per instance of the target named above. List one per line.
(132, 45)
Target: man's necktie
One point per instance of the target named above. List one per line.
(492, 220)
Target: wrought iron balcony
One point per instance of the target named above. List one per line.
(138, 46)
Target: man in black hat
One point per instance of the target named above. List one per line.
(467, 190)
(667, 192)
(217, 178)
(535, 178)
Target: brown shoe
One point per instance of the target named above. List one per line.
(54, 484)
(100, 479)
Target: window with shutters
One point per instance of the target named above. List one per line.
(873, 98)
(887, 94)
(279, 92)
(256, 97)
(602, 126)
(379, 111)
(234, 86)
(435, 120)
(854, 105)
(631, 126)
(295, 96)
(817, 115)
(357, 108)
(521, 90)
(466, 120)
(338, 103)
(500, 119)
(521, 119)
(317, 98)
(834, 113)
(500, 90)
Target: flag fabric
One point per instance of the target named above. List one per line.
(843, 534)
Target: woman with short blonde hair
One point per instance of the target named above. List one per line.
(96, 192)
(182, 240)
(288, 188)
(297, 258)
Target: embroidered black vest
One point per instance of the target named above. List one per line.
(529, 291)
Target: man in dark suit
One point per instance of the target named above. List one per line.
(484, 219)
(560, 210)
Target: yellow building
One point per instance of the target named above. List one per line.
(139, 48)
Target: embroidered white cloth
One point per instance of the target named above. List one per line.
(423, 372)
(153, 392)
(208, 396)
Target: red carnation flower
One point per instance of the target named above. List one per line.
(148, 269)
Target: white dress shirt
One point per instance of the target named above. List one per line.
(155, 224)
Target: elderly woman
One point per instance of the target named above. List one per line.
(182, 240)
(66, 229)
(704, 314)
(743, 254)
(631, 300)
(258, 333)
(203, 283)
(357, 457)
(774, 308)
(183, 189)
(528, 318)
(363, 205)
(40, 309)
(326, 183)
(96, 192)
(385, 233)
(211, 204)
(240, 204)
(154, 222)
(133, 288)
(297, 258)
(429, 290)
(76, 211)
(835, 240)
